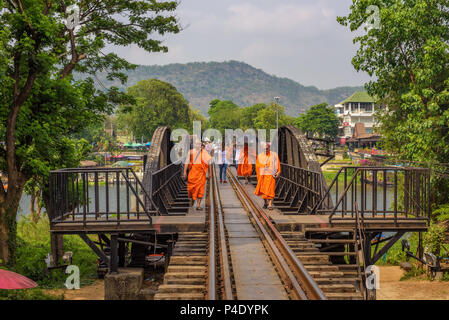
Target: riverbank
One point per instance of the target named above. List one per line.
(417, 288)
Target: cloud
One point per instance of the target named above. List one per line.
(299, 39)
(284, 20)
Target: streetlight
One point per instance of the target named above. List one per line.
(277, 111)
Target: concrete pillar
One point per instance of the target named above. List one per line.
(126, 284)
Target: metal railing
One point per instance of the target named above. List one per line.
(89, 195)
(382, 192)
(359, 250)
(167, 187)
(298, 190)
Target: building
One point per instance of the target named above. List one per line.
(362, 139)
(358, 108)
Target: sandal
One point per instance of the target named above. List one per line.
(270, 208)
(265, 206)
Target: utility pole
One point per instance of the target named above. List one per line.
(277, 111)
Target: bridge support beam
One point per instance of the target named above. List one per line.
(94, 248)
(114, 261)
(57, 247)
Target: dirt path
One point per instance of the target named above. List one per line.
(92, 292)
(391, 288)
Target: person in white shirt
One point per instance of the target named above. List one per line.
(222, 159)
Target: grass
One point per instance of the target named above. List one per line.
(330, 175)
(33, 245)
(28, 294)
(412, 273)
(395, 255)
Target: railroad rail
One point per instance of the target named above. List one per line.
(246, 257)
(315, 245)
(299, 282)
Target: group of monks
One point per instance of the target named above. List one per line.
(267, 164)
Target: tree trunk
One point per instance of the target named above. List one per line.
(35, 207)
(8, 235)
(4, 250)
(32, 202)
(8, 215)
(38, 204)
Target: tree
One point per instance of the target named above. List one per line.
(249, 114)
(224, 115)
(196, 115)
(157, 103)
(266, 118)
(409, 56)
(40, 103)
(319, 120)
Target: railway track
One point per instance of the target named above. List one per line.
(242, 256)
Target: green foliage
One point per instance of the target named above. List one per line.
(445, 276)
(237, 81)
(41, 105)
(395, 255)
(249, 114)
(196, 115)
(320, 120)
(28, 294)
(96, 135)
(434, 238)
(33, 245)
(330, 176)
(228, 115)
(157, 104)
(266, 118)
(408, 58)
(413, 273)
(441, 214)
(224, 115)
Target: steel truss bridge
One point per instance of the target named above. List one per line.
(317, 243)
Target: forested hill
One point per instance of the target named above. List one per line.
(202, 82)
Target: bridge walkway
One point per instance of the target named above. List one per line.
(254, 273)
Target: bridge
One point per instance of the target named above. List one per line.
(316, 244)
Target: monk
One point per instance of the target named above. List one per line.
(268, 168)
(198, 167)
(245, 163)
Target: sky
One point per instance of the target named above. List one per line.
(296, 39)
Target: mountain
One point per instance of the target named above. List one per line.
(201, 82)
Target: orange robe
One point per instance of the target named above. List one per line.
(198, 166)
(266, 166)
(245, 163)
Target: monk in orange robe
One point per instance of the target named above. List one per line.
(245, 163)
(268, 168)
(198, 167)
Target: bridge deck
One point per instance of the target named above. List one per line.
(285, 223)
(299, 222)
(162, 224)
(254, 273)
(194, 221)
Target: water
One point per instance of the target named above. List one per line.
(25, 201)
(389, 197)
